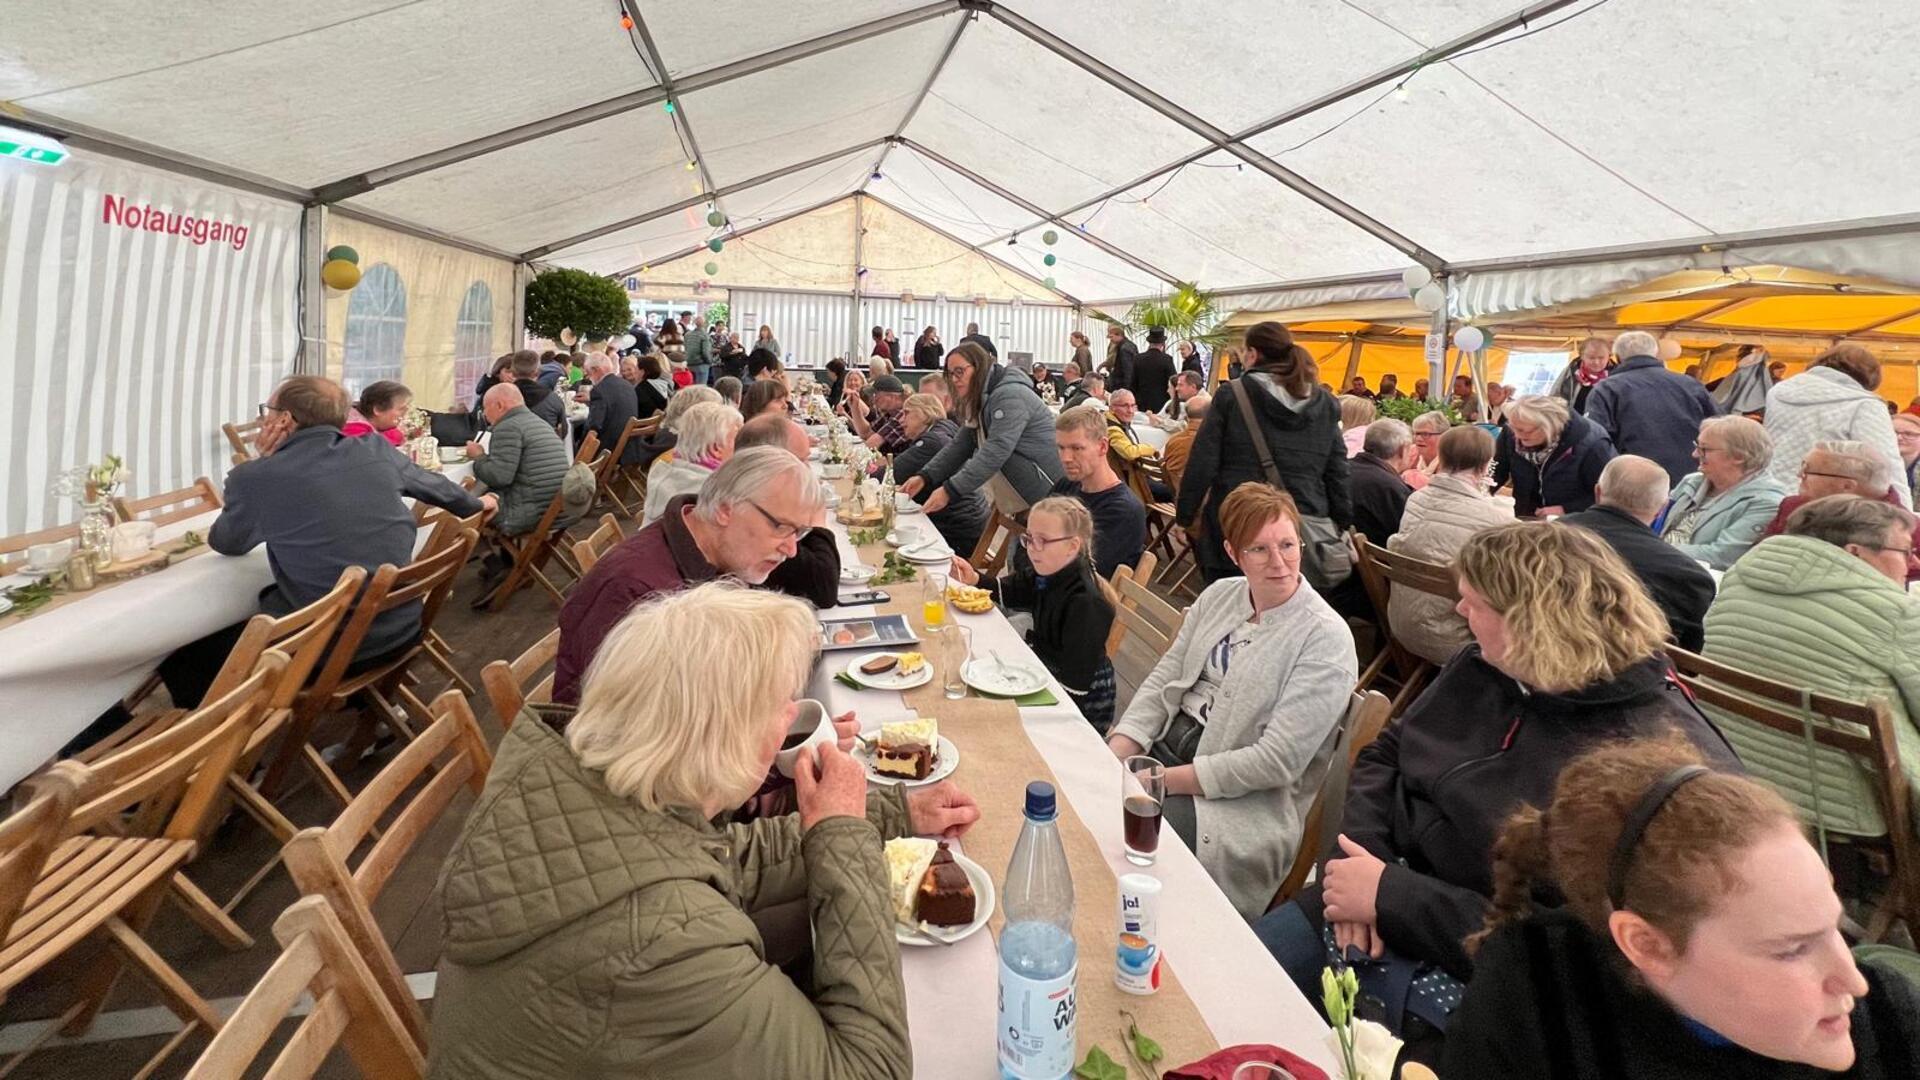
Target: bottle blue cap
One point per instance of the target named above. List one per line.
(1040, 806)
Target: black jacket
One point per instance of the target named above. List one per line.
(1379, 497)
(813, 573)
(965, 517)
(984, 342)
(1550, 1001)
(547, 404)
(1650, 411)
(1119, 371)
(647, 399)
(928, 354)
(610, 404)
(1152, 371)
(1568, 475)
(1431, 794)
(1070, 620)
(1682, 587)
(1307, 448)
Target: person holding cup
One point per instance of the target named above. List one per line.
(623, 938)
(1244, 706)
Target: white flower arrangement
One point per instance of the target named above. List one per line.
(93, 483)
(1365, 1050)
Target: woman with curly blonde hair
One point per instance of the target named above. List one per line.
(1566, 654)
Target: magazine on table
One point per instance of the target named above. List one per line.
(867, 632)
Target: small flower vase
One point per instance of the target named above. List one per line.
(96, 532)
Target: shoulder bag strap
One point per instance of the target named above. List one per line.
(1254, 432)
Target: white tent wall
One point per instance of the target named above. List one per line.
(427, 314)
(139, 310)
(812, 328)
(1038, 329)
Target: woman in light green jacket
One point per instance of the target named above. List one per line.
(598, 920)
(1716, 514)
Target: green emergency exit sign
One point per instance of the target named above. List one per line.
(45, 155)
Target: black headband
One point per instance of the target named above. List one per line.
(1637, 822)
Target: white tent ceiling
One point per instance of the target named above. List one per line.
(1241, 144)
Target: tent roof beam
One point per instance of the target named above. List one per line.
(920, 99)
(749, 231)
(998, 264)
(1702, 245)
(680, 120)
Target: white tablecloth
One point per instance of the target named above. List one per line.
(1241, 992)
(1152, 436)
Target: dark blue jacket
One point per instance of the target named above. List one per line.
(323, 502)
(1567, 477)
(1650, 411)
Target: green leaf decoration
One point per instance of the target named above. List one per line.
(1099, 1066)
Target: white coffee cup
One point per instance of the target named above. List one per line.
(132, 540)
(833, 470)
(44, 557)
(907, 535)
(812, 722)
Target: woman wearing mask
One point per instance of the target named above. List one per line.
(1005, 445)
(381, 407)
(1566, 655)
(1700, 937)
(1243, 706)
(1071, 617)
(1296, 425)
(1552, 455)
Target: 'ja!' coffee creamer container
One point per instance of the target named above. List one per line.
(1136, 962)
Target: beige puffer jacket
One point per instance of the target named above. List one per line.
(1437, 521)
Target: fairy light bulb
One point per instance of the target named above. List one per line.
(691, 166)
(626, 22)
(1401, 94)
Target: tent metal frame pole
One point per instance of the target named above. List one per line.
(1704, 245)
(1878, 323)
(94, 140)
(1220, 140)
(705, 196)
(1238, 292)
(681, 120)
(624, 103)
(422, 232)
(938, 231)
(859, 251)
(312, 354)
(749, 231)
(1353, 362)
(1033, 208)
(920, 98)
(522, 277)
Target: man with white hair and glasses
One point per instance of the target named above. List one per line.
(1647, 410)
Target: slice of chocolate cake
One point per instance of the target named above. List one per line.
(946, 896)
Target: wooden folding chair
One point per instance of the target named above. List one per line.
(134, 825)
(316, 959)
(447, 530)
(13, 549)
(1836, 761)
(1366, 717)
(562, 546)
(588, 552)
(612, 471)
(240, 437)
(531, 551)
(1381, 571)
(508, 683)
(1144, 626)
(995, 547)
(426, 581)
(198, 498)
(302, 637)
(447, 754)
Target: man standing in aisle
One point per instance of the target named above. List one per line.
(699, 346)
(974, 335)
(1647, 410)
(1121, 354)
(1152, 372)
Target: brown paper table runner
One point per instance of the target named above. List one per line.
(65, 596)
(997, 760)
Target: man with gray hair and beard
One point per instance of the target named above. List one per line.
(1630, 495)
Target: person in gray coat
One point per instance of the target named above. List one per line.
(1648, 411)
(1005, 443)
(522, 465)
(699, 345)
(1719, 512)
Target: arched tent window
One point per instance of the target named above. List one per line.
(472, 342)
(376, 330)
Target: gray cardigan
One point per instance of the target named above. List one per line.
(1270, 736)
(524, 465)
(1013, 439)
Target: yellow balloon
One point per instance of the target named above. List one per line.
(340, 274)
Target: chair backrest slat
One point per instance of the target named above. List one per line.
(506, 682)
(198, 498)
(29, 835)
(588, 552)
(13, 548)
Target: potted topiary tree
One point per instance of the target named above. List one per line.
(593, 307)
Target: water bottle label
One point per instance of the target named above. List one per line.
(1036, 1025)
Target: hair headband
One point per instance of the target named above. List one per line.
(1637, 822)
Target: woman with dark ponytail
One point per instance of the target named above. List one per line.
(1699, 937)
(1273, 425)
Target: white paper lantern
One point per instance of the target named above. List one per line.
(1430, 297)
(1470, 338)
(1416, 278)
(1669, 349)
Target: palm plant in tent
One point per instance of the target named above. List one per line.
(1186, 314)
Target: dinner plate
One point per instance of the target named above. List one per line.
(930, 553)
(856, 574)
(943, 768)
(983, 898)
(1009, 680)
(890, 679)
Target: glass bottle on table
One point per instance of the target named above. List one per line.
(888, 491)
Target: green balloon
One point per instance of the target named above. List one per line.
(1049, 237)
(711, 269)
(716, 219)
(714, 245)
(1049, 260)
(342, 251)
(1048, 283)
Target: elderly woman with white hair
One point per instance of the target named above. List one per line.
(705, 442)
(1552, 456)
(1719, 512)
(1428, 428)
(660, 444)
(598, 921)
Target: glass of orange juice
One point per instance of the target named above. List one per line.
(933, 599)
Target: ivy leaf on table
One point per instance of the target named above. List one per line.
(1099, 1066)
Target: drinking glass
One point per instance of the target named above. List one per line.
(1143, 787)
(955, 644)
(933, 599)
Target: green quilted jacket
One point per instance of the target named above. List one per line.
(1808, 614)
(587, 938)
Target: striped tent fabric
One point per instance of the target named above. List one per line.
(141, 310)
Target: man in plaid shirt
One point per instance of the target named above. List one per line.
(881, 423)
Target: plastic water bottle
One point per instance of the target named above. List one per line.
(1038, 962)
